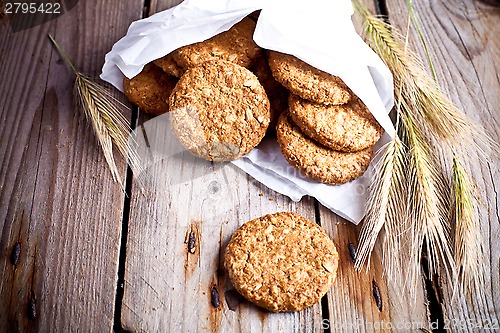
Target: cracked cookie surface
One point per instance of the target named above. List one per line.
(349, 127)
(281, 262)
(219, 111)
(307, 81)
(316, 161)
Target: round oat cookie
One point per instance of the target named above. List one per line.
(235, 45)
(169, 66)
(307, 81)
(219, 110)
(281, 262)
(349, 127)
(316, 161)
(150, 89)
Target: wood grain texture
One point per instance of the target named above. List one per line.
(159, 5)
(57, 198)
(351, 303)
(465, 50)
(170, 279)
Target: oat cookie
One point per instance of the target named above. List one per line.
(316, 161)
(235, 45)
(306, 81)
(150, 89)
(277, 94)
(282, 262)
(349, 127)
(169, 66)
(220, 111)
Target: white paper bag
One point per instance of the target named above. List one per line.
(319, 32)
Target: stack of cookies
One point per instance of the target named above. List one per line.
(225, 93)
(221, 92)
(327, 133)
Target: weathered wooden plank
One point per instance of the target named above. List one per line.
(351, 303)
(465, 50)
(168, 283)
(169, 288)
(159, 5)
(57, 198)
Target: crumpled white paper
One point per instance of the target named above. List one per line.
(319, 32)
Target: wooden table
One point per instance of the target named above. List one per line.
(93, 259)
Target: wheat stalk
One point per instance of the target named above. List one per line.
(384, 211)
(467, 236)
(427, 214)
(468, 250)
(423, 213)
(105, 113)
(435, 111)
(427, 115)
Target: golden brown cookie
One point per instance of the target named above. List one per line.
(277, 94)
(169, 66)
(281, 262)
(349, 127)
(150, 89)
(219, 110)
(235, 45)
(316, 161)
(307, 81)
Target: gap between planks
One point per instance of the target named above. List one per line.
(117, 323)
(122, 257)
(432, 287)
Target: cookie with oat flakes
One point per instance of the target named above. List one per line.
(281, 262)
(316, 161)
(219, 111)
(348, 127)
(150, 89)
(277, 94)
(307, 81)
(235, 45)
